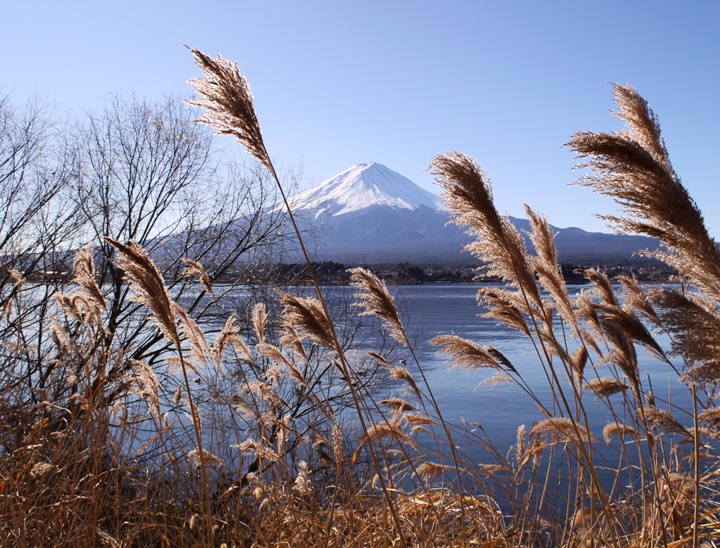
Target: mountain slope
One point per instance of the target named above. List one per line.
(369, 213)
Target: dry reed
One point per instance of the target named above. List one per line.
(82, 463)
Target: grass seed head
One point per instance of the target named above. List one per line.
(306, 315)
(375, 300)
(149, 286)
(227, 102)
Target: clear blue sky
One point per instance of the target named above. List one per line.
(398, 82)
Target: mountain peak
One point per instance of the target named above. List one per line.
(362, 186)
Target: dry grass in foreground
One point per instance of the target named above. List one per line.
(267, 433)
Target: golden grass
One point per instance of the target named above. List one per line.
(109, 450)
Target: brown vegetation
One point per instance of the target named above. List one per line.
(272, 435)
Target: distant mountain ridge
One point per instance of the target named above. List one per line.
(369, 213)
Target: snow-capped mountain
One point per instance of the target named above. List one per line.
(363, 186)
(369, 213)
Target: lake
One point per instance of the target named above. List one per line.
(495, 410)
(430, 310)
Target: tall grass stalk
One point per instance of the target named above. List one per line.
(238, 437)
(228, 103)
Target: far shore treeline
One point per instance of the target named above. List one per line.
(334, 273)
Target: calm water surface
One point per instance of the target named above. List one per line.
(495, 409)
(430, 310)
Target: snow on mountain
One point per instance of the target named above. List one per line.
(369, 213)
(362, 186)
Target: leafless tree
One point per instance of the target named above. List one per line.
(150, 176)
(38, 224)
(135, 172)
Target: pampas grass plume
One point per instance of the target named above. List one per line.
(308, 317)
(228, 105)
(147, 282)
(376, 300)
